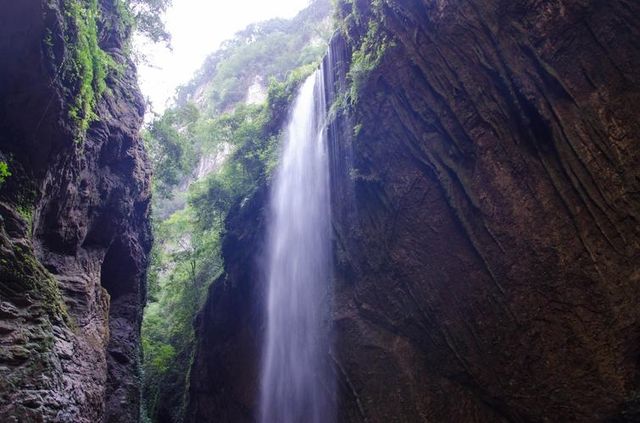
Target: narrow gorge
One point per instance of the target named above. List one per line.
(372, 211)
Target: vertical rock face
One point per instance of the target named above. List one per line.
(74, 230)
(490, 269)
(224, 376)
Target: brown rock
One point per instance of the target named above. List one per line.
(487, 246)
(74, 233)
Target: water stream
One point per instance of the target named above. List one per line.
(296, 384)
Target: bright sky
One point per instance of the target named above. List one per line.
(197, 28)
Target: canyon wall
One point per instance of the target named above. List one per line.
(489, 270)
(486, 206)
(74, 229)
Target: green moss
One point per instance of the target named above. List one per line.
(4, 172)
(25, 201)
(369, 48)
(88, 65)
(23, 273)
(126, 19)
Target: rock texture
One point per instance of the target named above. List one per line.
(494, 274)
(224, 375)
(487, 223)
(74, 230)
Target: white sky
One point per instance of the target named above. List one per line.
(197, 28)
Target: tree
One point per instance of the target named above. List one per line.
(148, 18)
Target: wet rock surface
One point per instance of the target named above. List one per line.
(489, 271)
(224, 376)
(74, 230)
(486, 226)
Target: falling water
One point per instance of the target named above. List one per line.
(296, 382)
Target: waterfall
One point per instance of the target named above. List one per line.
(297, 383)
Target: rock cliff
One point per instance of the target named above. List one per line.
(486, 217)
(74, 230)
(493, 275)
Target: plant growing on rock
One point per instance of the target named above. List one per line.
(4, 172)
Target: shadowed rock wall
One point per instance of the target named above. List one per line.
(490, 270)
(74, 230)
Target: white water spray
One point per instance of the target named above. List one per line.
(297, 385)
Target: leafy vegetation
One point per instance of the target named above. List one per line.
(370, 48)
(88, 65)
(240, 142)
(268, 50)
(186, 256)
(4, 172)
(146, 17)
(170, 142)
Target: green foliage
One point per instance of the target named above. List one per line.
(369, 49)
(171, 146)
(126, 20)
(281, 93)
(4, 172)
(186, 257)
(366, 58)
(185, 261)
(89, 64)
(182, 265)
(147, 17)
(254, 131)
(269, 49)
(160, 355)
(189, 223)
